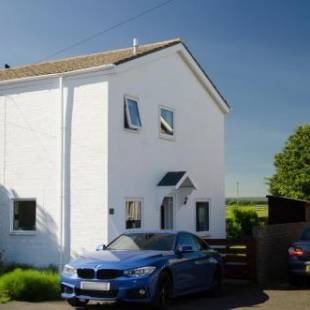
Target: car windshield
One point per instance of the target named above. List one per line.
(306, 235)
(143, 241)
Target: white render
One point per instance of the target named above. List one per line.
(63, 142)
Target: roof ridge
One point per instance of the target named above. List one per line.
(177, 39)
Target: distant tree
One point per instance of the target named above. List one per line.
(292, 166)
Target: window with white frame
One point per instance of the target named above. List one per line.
(202, 216)
(24, 215)
(166, 122)
(132, 118)
(133, 213)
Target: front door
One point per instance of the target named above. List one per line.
(166, 213)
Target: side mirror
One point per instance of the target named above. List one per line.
(101, 247)
(186, 248)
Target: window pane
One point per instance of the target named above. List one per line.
(24, 215)
(166, 122)
(202, 216)
(185, 239)
(133, 214)
(134, 116)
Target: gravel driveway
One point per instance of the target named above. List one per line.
(235, 296)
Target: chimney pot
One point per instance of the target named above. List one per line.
(135, 44)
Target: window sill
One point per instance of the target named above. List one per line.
(23, 232)
(135, 131)
(167, 137)
(204, 234)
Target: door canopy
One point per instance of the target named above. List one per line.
(177, 180)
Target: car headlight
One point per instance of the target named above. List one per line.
(139, 272)
(69, 270)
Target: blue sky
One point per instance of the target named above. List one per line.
(256, 52)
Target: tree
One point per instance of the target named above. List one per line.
(292, 166)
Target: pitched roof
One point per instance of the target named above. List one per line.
(82, 62)
(115, 57)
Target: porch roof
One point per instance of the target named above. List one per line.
(177, 179)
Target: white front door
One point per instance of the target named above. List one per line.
(166, 213)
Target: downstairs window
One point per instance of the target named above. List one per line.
(24, 215)
(133, 213)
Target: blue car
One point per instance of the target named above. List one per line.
(144, 267)
(299, 258)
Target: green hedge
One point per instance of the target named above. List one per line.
(29, 285)
(242, 222)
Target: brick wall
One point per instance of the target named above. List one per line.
(272, 245)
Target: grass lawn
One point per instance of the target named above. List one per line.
(262, 210)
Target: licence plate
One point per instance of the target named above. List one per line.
(97, 286)
(308, 268)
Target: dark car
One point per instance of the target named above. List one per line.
(299, 258)
(146, 267)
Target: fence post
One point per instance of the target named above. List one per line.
(251, 253)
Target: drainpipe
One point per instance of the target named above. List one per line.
(4, 140)
(62, 194)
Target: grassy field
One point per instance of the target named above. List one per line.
(262, 210)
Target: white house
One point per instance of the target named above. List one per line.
(95, 145)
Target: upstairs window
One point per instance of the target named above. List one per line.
(132, 115)
(24, 215)
(166, 122)
(133, 213)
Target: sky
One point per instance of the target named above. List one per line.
(257, 52)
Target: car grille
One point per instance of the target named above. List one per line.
(101, 274)
(105, 274)
(96, 294)
(86, 273)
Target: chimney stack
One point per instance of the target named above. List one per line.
(135, 45)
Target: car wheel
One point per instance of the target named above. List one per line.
(163, 292)
(77, 303)
(216, 284)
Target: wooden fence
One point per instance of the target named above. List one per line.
(239, 257)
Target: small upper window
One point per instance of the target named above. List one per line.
(133, 214)
(132, 115)
(24, 214)
(166, 122)
(202, 216)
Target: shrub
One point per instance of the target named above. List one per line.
(233, 229)
(29, 285)
(242, 223)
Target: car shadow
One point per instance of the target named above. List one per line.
(233, 296)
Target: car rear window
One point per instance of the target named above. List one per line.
(306, 235)
(144, 241)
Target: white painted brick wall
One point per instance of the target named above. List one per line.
(137, 161)
(33, 166)
(31, 169)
